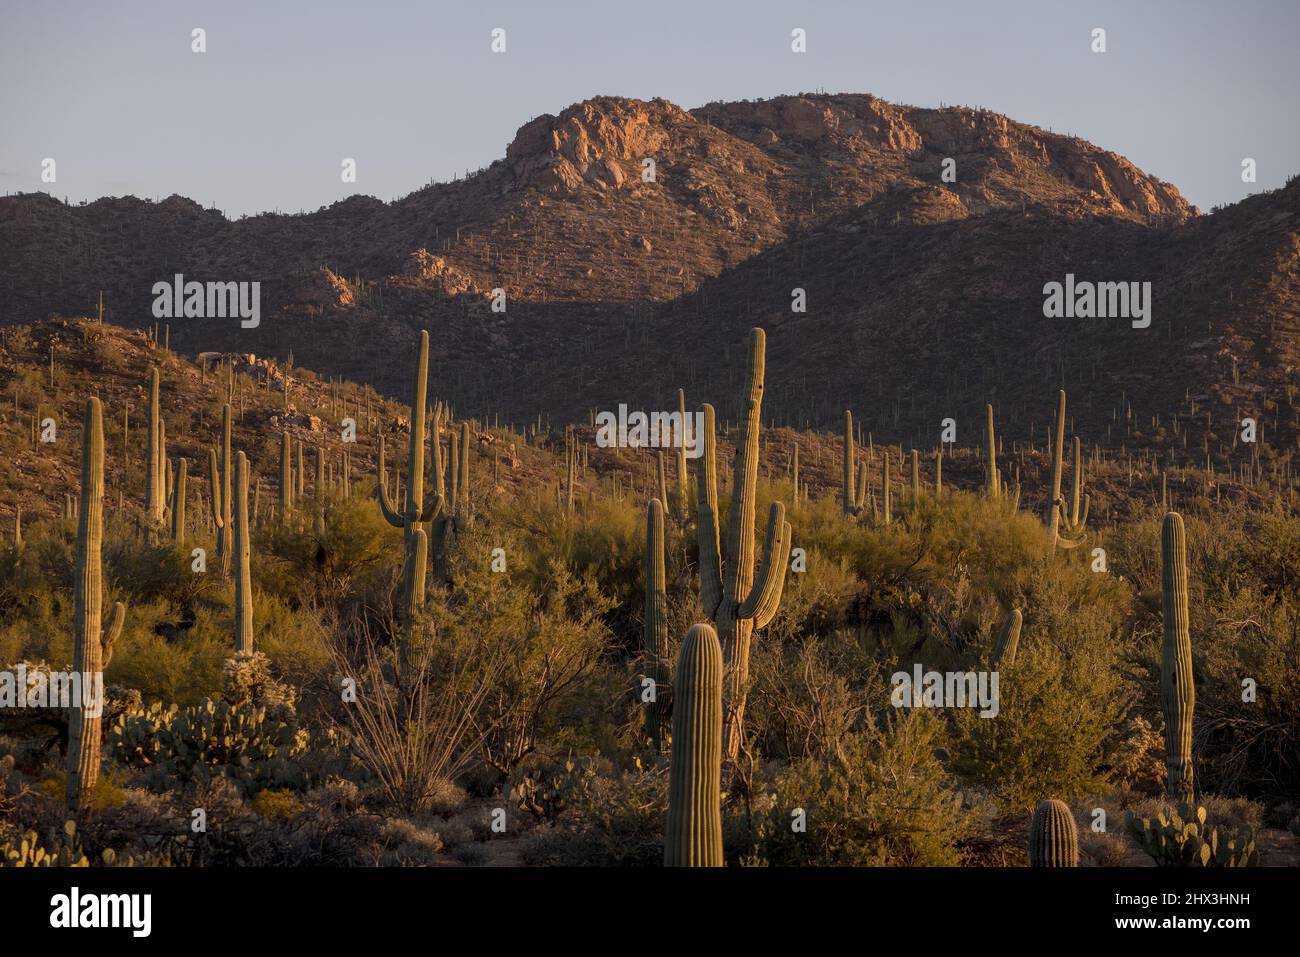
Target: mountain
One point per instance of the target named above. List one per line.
(924, 297)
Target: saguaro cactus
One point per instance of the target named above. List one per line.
(1065, 530)
(992, 485)
(89, 656)
(219, 477)
(155, 493)
(416, 512)
(683, 481)
(1004, 652)
(655, 632)
(694, 832)
(286, 475)
(855, 485)
(1053, 836)
(1177, 690)
(178, 502)
(243, 553)
(738, 603)
(886, 503)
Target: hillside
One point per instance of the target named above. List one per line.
(924, 297)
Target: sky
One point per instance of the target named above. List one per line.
(115, 95)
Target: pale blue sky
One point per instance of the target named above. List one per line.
(261, 121)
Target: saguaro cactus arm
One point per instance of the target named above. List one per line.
(764, 598)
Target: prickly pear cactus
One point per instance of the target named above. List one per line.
(1182, 839)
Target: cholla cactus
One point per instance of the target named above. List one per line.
(694, 832)
(1177, 689)
(1053, 836)
(1182, 840)
(89, 656)
(739, 602)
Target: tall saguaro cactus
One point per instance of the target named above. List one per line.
(1053, 836)
(855, 483)
(694, 832)
(89, 656)
(178, 503)
(731, 595)
(416, 512)
(1177, 689)
(155, 493)
(992, 486)
(655, 633)
(243, 554)
(1004, 651)
(220, 478)
(683, 481)
(1065, 529)
(286, 476)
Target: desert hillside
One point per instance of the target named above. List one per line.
(923, 297)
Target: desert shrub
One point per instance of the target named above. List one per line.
(1056, 714)
(886, 800)
(806, 697)
(413, 723)
(353, 557)
(613, 819)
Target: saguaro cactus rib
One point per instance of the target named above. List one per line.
(89, 656)
(1177, 688)
(694, 832)
(728, 591)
